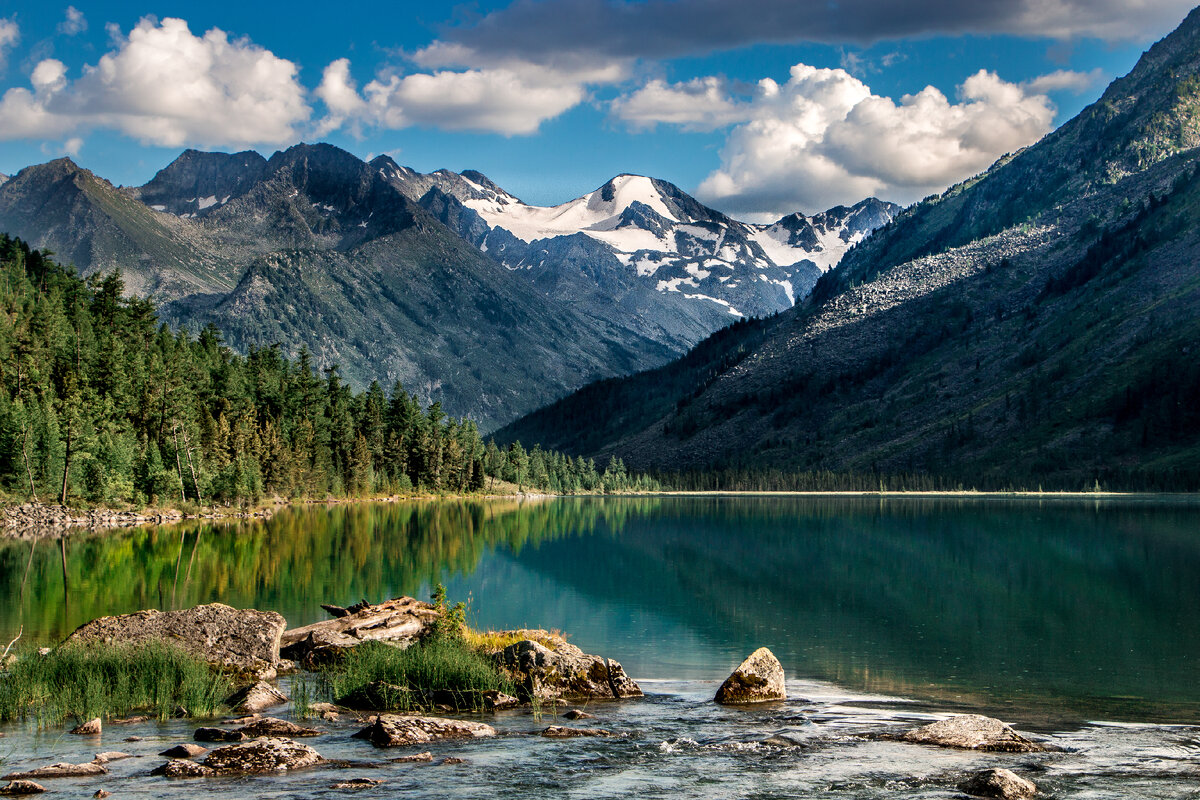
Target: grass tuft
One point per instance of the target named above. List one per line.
(441, 670)
(109, 681)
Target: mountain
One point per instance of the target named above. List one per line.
(313, 249)
(648, 243)
(1036, 324)
(87, 221)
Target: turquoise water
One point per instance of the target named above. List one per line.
(1079, 620)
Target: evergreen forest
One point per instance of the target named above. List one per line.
(101, 403)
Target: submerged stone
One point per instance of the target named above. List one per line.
(59, 770)
(17, 788)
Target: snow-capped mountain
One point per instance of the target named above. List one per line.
(653, 232)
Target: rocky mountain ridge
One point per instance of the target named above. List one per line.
(1031, 326)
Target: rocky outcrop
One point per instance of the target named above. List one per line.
(60, 770)
(259, 756)
(244, 642)
(110, 755)
(18, 788)
(400, 621)
(759, 679)
(395, 731)
(546, 667)
(255, 698)
(973, 732)
(1001, 783)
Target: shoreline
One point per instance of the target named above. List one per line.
(25, 517)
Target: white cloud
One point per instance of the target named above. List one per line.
(824, 138)
(72, 146)
(75, 22)
(1065, 80)
(698, 104)
(165, 86)
(461, 91)
(10, 33)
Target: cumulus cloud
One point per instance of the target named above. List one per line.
(824, 138)
(75, 22)
(698, 104)
(667, 28)
(461, 91)
(165, 86)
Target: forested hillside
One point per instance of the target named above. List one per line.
(100, 402)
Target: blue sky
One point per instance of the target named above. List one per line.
(760, 107)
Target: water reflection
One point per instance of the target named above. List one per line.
(1073, 608)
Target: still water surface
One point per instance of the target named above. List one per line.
(1058, 615)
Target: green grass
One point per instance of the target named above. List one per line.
(109, 681)
(444, 670)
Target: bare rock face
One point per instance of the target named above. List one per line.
(259, 756)
(394, 731)
(401, 621)
(1001, 783)
(562, 671)
(973, 732)
(17, 788)
(758, 679)
(60, 770)
(240, 641)
(255, 698)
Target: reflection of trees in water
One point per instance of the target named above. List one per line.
(1051, 598)
(291, 563)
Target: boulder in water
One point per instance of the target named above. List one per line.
(973, 732)
(1001, 783)
(759, 679)
(244, 642)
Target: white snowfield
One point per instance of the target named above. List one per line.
(600, 219)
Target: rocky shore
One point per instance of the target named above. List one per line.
(551, 674)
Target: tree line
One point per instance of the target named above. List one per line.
(101, 402)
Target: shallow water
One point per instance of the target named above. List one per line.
(1078, 620)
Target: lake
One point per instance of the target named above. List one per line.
(1074, 618)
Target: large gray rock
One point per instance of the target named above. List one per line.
(259, 756)
(270, 726)
(19, 788)
(395, 731)
(759, 679)
(549, 668)
(1001, 783)
(255, 698)
(399, 621)
(973, 732)
(240, 641)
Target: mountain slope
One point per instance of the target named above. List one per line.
(88, 222)
(1035, 324)
(340, 262)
